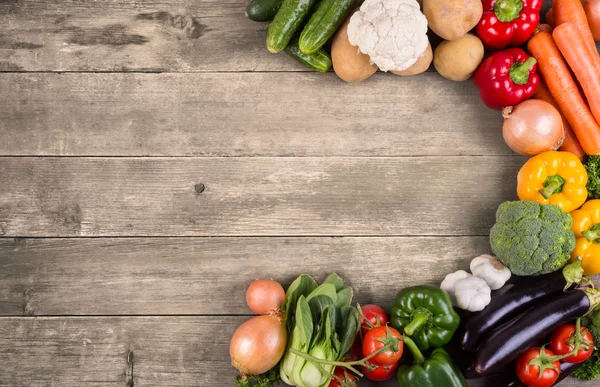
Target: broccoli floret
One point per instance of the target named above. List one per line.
(592, 166)
(531, 238)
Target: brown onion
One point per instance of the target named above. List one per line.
(592, 11)
(265, 296)
(532, 127)
(258, 344)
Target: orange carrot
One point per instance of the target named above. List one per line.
(572, 11)
(550, 18)
(569, 40)
(571, 144)
(558, 77)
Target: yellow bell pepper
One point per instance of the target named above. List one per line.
(553, 178)
(586, 226)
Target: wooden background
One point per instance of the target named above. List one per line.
(155, 158)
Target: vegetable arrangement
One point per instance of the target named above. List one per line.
(532, 316)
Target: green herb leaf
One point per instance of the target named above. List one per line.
(335, 280)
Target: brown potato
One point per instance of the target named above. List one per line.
(452, 19)
(420, 66)
(348, 62)
(458, 59)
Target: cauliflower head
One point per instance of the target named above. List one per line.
(531, 238)
(393, 33)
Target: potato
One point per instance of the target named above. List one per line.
(458, 59)
(420, 66)
(348, 62)
(452, 19)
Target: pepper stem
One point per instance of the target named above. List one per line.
(417, 355)
(552, 185)
(508, 10)
(519, 72)
(592, 235)
(419, 319)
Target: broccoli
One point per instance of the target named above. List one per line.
(531, 238)
(592, 166)
(590, 370)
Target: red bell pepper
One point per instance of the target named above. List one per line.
(506, 78)
(508, 22)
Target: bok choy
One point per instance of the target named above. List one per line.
(321, 324)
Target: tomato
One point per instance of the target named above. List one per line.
(380, 373)
(378, 338)
(375, 316)
(355, 351)
(563, 339)
(347, 377)
(530, 374)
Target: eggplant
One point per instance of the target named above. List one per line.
(514, 299)
(506, 342)
(510, 379)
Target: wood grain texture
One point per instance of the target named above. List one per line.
(167, 351)
(128, 35)
(248, 114)
(209, 275)
(253, 196)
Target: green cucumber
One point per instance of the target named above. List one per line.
(318, 61)
(285, 23)
(263, 10)
(323, 24)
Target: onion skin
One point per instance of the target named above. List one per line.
(258, 344)
(592, 11)
(265, 297)
(532, 127)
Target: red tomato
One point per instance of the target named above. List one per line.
(378, 338)
(380, 373)
(563, 339)
(347, 377)
(530, 374)
(375, 316)
(355, 351)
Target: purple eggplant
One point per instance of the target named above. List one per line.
(509, 340)
(513, 299)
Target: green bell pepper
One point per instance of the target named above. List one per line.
(437, 371)
(426, 315)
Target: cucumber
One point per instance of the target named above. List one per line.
(323, 24)
(318, 61)
(285, 23)
(263, 10)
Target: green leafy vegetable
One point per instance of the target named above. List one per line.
(268, 379)
(592, 166)
(590, 370)
(324, 328)
(302, 286)
(531, 238)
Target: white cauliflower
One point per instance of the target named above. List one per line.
(392, 32)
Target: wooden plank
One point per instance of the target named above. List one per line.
(167, 275)
(128, 35)
(253, 196)
(249, 114)
(167, 351)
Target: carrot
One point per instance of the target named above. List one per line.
(550, 18)
(558, 77)
(571, 144)
(572, 11)
(569, 40)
